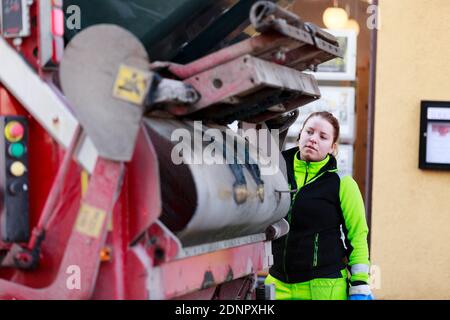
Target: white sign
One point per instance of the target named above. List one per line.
(438, 113)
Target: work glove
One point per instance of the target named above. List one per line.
(360, 290)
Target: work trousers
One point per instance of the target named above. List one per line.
(315, 289)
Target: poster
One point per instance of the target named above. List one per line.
(438, 143)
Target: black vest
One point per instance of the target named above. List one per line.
(313, 248)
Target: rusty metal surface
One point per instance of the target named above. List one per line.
(263, 13)
(259, 78)
(288, 46)
(87, 73)
(263, 44)
(248, 80)
(266, 16)
(234, 88)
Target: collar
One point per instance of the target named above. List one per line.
(313, 167)
(293, 164)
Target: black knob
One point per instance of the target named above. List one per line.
(17, 187)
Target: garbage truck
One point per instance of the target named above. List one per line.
(140, 144)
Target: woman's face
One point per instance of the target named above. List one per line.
(316, 139)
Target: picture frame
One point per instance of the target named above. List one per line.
(340, 101)
(434, 139)
(344, 159)
(340, 69)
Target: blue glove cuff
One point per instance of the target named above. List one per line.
(360, 297)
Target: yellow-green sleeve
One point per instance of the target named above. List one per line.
(354, 213)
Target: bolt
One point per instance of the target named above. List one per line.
(17, 42)
(217, 83)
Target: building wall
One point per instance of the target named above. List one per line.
(410, 229)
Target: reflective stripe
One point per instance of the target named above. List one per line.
(361, 289)
(360, 268)
(343, 237)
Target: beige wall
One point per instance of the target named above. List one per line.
(411, 208)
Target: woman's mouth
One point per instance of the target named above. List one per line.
(309, 147)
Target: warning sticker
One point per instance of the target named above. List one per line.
(90, 221)
(132, 84)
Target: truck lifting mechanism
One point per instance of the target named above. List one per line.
(94, 205)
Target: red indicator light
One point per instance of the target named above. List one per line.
(14, 131)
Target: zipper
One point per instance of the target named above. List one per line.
(305, 182)
(289, 221)
(316, 249)
(306, 174)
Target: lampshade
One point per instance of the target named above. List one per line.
(352, 24)
(335, 18)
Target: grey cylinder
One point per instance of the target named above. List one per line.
(198, 199)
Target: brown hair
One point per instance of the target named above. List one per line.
(327, 116)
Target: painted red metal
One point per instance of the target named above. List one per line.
(48, 211)
(112, 274)
(83, 250)
(127, 275)
(161, 245)
(130, 197)
(137, 209)
(183, 276)
(228, 80)
(144, 194)
(44, 155)
(259, 45)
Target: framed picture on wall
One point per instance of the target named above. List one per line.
(434, 145)
(340, 101)
(340, 68)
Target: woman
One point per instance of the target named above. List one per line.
(328, 229)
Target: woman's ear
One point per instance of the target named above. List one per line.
(334, 149)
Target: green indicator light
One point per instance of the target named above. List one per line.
(16, 150)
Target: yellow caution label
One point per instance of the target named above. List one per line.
(84, 182)
(132, 84)
(90, 221)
